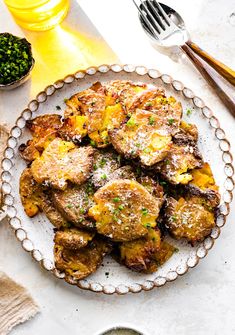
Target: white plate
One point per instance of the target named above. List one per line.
(36, 234)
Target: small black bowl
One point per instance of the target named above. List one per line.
(26, 76)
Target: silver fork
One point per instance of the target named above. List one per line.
(162, 28)
(157, 21)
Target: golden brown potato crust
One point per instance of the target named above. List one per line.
(30, 193)
(74, 204)
(73, 238)
(82, 262)
(189, 219)
(34, 199)
(142, 137)
(44, 129)
(61, 162)
(124, 210)
(137, 255)
(179, 162)
(105, 163)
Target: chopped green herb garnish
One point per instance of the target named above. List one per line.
(130, 123)
(82, 211)
(176, 250)
(116, 199)
(171, 121)
(65, 100)
(144, 211)
(15, 58)
(147, 225)
(103, 176)
(151, 120)
(102, 162)
(93, 103)
(147, 150)
(92, 143)
(95, 167)
(129, 114)
(137, 145)
(174, 218)
(188, 112)
(167, 162)
(148, 104)
(120, 207)
(69, 205)
(81, 220)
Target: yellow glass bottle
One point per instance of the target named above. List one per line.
(38, 14)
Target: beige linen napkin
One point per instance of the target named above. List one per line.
(16, 304)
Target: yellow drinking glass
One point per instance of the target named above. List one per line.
(38, 14)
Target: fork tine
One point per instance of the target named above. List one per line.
(161, 10)
(145, 19)
(158, 16)
(154, 23)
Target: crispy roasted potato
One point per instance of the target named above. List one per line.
(52, 213)
(82, 262)
(61, 162)
(161, 256)
(179, 162)
(188, 219)
(74, 203)
(167, 110)
(153, 187)
(123, 91)
(203, 185)
(186, 135)
(137, 255)
(124, 172)
(35, 198)
(85, 103)
(74, 128)
(105, 163)
(30, 193)
(44, 129)
(124, 210)
(73, 238)
(142, 137)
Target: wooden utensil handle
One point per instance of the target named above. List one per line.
(202, 68)
(221, 68)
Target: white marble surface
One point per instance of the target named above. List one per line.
(202, 301)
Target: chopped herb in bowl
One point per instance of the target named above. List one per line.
(16, 60)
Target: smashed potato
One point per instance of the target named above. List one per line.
(73, 239)
(142, 137)
(137, 255)
(179, 162)
(74, 128)
(30, 193)
(203, 185)
(167, 110)
(186, 135)
(105, 163)
(188, 219)
(61, 162)
(44, 129)
(52, 213)
(124, 210)
(82, 262)
(123, 91)
(74, 204)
